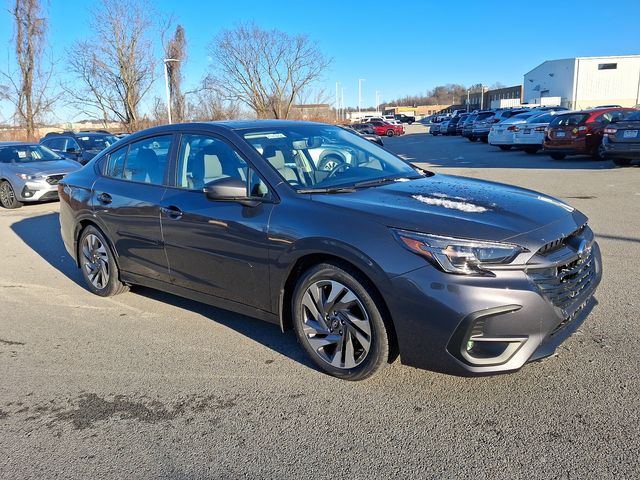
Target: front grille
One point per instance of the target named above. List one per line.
(562, 285)
(54, 179)
(560, 242)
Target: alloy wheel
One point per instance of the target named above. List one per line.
(336, 324)
(95, 261)
(7, 197)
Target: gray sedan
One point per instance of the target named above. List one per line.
(30, 173)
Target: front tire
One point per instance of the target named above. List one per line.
(472, 139)
(97, 263)
(390, 133)
(8, 196)
(338, 323)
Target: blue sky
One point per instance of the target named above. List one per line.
(399, 47)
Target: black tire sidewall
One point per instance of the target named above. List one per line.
(379, 352)
(113, 285)
(16, 203)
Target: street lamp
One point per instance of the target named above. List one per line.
(166, 84)
(360, 80)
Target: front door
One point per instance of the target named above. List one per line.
(217, 248)
(127, 201)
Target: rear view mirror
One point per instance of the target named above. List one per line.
(229, 189)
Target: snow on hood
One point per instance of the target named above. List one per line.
(455, 203)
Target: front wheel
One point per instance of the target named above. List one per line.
(622, 162)
(8, 196)
(390, 133)
(472, 139)
(338, 323)
(99, 269)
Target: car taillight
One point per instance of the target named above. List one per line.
(610, 131)
(512, 128)
(541, 129)
(494, 120)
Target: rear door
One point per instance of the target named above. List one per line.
(215, 247)
(126, 200)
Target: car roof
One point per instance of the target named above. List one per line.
(16, 144)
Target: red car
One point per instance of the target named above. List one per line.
(580, 133)
(388, 129)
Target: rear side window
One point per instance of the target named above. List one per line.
(115, 166)
(484, 116)
(540, 119)
(144, 161)
(635, 116)
(569, 120)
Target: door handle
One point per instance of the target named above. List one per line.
(172, 212)
(105, 198)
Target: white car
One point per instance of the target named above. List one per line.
(529, 136)
(501, 134)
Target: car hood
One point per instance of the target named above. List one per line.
(46, 168)
(463, 207)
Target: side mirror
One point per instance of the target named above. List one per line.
(229, 189)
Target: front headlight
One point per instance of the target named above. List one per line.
(456, 255)
(24, 176)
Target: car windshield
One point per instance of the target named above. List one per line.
(26, 154)
(311, 157)
(96, 142)
(518, 118)
(544, 118)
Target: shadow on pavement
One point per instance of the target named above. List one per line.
(42, 234)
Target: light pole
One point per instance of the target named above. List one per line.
(468, 100)
(337, 102)
(342, 115)
(166, 84)
(360, 80)
(481, 96)
(377, 100)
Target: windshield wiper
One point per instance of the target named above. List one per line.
(327, 190)
(379, 181)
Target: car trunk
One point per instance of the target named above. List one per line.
(628, 132)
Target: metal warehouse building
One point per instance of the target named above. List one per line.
(585, 82)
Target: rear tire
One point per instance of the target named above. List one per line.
(484, 139)
(622, 162)
(338, 323)
(390, 133)
(98, 265)
(531, 151)
(557, 156)
(598, 153)
(472, 139)
(8, 196)
(504, 148)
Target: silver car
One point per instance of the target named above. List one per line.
(30, 173)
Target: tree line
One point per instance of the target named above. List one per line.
(110, 74)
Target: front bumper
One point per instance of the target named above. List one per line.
(37, 191)
(436, 316)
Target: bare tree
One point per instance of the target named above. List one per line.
(116, 66)
(176, 49)
(28, 92)
(208, 103)
(267, 70)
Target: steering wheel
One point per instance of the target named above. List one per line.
(342, 166)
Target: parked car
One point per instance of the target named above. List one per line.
(30, 173)
(621, 140)
(365, 128)
(502, 133)
(444, 127)
(434, 129)
(372, 138)
(486, 119)
(81, 147)
(383, 128)
(452, 125)
(460, 123)
(467, 127)
(580, 133)
(405, 118)
(530, 135)
(372, 258)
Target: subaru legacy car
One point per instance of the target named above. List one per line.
(30, 173)
(371, 259)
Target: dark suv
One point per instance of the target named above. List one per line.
(81, 146)
(369, 258)
(405, 118)
(580, 133)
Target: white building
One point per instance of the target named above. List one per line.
(585, 82)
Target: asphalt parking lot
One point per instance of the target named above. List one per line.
(151, 385)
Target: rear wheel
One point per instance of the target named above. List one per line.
(622, 162)
(8, 196)
(531, 151)
(98, 265)
(338, 323)
(504, 148)
(390, 133)
(472, 139)
(484, 139)
(557, 156)
(598, 153)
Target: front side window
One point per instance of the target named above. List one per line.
(203, 159)
(324, 156)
